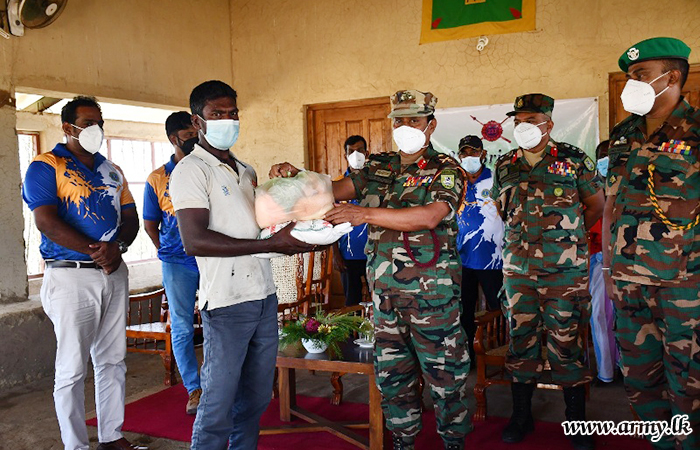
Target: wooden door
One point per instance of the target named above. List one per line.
(616, 83)
(328, 125)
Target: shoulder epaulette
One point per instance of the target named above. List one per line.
(382, 156)
(570, 151)
(623, 127)
(504, 157)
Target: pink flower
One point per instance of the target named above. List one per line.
(312, 326)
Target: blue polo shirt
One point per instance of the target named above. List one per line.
(481, 230)
(158, 207)
(89, 201)
(352, 244)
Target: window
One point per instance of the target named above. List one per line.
(28, 149)
(137, 159)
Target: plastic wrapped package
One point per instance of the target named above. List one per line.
(316, 232)
(306, 196)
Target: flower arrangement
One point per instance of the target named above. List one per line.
(329, 329)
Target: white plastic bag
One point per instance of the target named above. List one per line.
(306, 196)
(316, 232)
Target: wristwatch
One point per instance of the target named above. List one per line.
(123, 246)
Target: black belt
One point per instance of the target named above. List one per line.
(72, 264)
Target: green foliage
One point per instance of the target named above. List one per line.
(331, 329)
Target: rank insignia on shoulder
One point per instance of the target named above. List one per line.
(447, 179)
(588, 162)
(383, 173)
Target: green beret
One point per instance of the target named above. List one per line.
(536, 103)
(654, 48)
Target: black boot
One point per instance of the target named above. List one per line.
(403, 442)
(521, 422)
(575, 398)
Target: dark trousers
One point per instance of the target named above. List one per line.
(491, 281)
(355, 271)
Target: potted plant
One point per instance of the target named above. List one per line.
(321, 331)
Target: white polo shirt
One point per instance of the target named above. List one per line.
(200, 180)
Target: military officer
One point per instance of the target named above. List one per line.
(651, 251)
(548, 195)
(409, 199)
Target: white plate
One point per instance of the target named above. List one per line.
(363, 343)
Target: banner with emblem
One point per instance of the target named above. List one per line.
(444, 20)
(575, 122)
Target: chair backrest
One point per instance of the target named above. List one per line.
(148, 307)
(314, 272)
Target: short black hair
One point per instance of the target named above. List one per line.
(177, 121)
(209, 90)
(352, 140)
(431, 117)
(601, 151)
(69, 111)
(677, 64)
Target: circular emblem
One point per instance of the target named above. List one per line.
(558, 191)
(113, 176)
(485, 193)
(633, 54)
(491, 130)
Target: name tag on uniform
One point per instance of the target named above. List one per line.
(418, 181)
(675, 146)
(382, 176)
(562, 168)
(508, 173)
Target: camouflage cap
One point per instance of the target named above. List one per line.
(411, 103)
(654, 48)
(471, 141)
(537, 103)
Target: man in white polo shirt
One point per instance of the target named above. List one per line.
(213, 196)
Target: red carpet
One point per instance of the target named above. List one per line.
(163, 415)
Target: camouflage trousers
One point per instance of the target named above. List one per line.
(658, 331)
(557, 304)
(414, 337)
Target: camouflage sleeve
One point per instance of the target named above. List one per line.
(359, 180)
(448, 187)
(496, 188)
(618, 155)
(588, 180)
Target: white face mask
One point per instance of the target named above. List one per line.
(90, 138)
(222, 134)
(410, 140)
(356, 160)
(638, 97)
(471, 164)
(528, 135)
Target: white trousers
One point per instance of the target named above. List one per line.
(88, 310)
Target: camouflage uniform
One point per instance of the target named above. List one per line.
(655, 265)
(417, 309)
(545, 258)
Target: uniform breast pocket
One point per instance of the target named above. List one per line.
(561, 208)
(413, 196)
(673, 181)
(662, 253)
(617, 168)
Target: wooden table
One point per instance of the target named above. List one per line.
(355, 360)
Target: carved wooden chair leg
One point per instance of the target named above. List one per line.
(337, 388)
(169, 364)
(480, 394)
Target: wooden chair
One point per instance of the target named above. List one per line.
(148, 329)
(491, 345)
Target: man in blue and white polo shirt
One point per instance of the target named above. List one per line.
(480, 239)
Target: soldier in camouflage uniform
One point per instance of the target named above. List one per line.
(652, 239)
(409, 199)
(541, 189)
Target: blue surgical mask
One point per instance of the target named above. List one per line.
(471, 164)
(222, 134)
(603, 167)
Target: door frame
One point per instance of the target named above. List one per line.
(310, 115)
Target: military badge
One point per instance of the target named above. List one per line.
(562, 168)
(588, 162)
(520, 103)
(675, 146)
(558, 191)
(383, 173)
(418, 181)
(447, 179)
(633, 54)
(611, 179)
(486, 193)
(114, 176)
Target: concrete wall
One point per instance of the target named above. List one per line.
(148, 53)
(287, 54)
